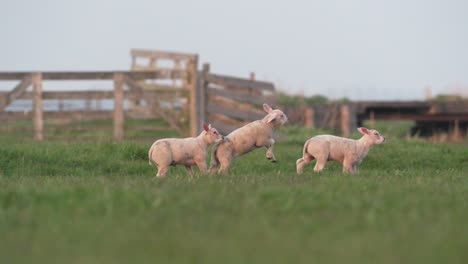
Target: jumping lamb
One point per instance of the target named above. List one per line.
(348, 152)
(186, 151)
(251, 136)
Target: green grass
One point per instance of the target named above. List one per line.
(97, 202)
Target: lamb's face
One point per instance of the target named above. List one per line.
(214, 135)
(280, 117)
(372, 135)
(376, 137)
(276, 117)
(211, 134)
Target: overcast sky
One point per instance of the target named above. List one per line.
(363, 49)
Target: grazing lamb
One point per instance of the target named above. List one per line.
(348, 152)
(186, 151)
(242, 140)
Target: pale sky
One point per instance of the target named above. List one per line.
(363, 49)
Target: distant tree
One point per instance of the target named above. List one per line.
(288, 100)
(316, 99)
(449, 98)
(298, 100)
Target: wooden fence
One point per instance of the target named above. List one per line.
(230, 102)
(129, 79)
(224, 101)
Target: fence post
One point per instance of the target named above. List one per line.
(372, 119)
(38, 121)
(344, 118)
(118, 107)
(252, 76)
(309, 117)
(195, 126)
(202, 94)
(456, 134)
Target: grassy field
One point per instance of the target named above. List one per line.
(97, 202)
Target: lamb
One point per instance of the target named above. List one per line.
(242, 140)
(186, 151)
(348, 152)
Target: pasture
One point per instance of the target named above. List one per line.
(97, 202)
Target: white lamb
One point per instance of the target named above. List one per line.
(348, 152)
(251, 136)
(186, 151)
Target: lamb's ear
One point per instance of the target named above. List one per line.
(206, 127)
(209, 127)
(271, 118)
(267, 108)
(363, 130)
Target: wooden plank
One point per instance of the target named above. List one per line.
(259, 100)
(118, 107)
(158, 74)
(202, 94)
(152, 103)
(38, 121)
(195, 122)
(147, 127)
(78, 127)
(58, 115)
(84, 95)
(239, 82)
(226, 119)
(162, 54)
(223, 128)
(8, 98)
(15, 129)
(11, 76)
(233, 112)
(85, 127)
(98, 75)
(228, 103)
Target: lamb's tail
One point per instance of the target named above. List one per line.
(304, 151)
(214, 156)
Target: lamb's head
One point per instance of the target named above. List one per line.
(274, 117)
(371, 135)
(211, 134)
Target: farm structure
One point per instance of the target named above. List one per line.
(162, 85)
(438, 120)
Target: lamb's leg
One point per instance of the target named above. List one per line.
(162, 171)
(269, 146)
(224, 156)
(300, 163)
(321, 161)
(202, 166)
(348, 166)
(189, 170)
(225, 162)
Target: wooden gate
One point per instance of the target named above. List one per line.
(174, 99)
(230, 102)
